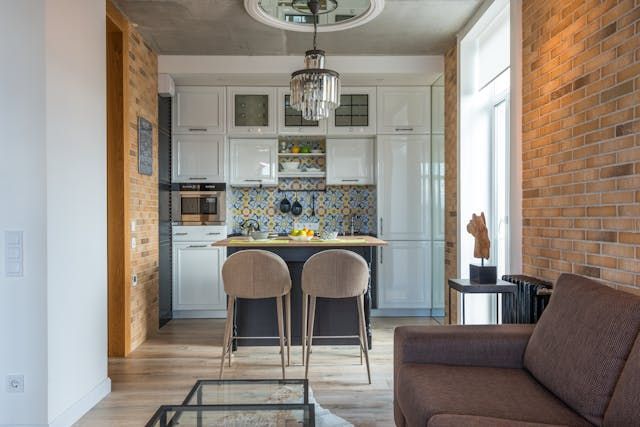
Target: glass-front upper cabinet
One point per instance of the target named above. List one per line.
(356, 114)
(251, 110)
(290, 120)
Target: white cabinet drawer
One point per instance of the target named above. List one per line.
(198, 233)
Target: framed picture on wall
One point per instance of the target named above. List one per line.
(145, 146)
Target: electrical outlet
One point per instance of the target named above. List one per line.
(133, 225)
(15, 383)
(134, 280)
(133, 243)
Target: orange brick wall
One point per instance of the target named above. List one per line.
(581, 140)
(451, 170)
(143, 190)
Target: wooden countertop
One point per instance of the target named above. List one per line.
(285, 242)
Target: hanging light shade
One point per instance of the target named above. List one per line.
(315, 90)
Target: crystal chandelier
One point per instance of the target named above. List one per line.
(315, 91)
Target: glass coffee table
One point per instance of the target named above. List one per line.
(238, 403)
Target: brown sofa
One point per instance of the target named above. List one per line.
(579, 366)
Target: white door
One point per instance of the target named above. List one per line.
(404, 278)
(290, 120)
(438, 273)
(350, 161)
(404, 187)
(197, 277)
(198, 158)
(253, 162)
(356, 114)
(403, 110)
(251, 111)
(437, 109)
(437, 186)
(199, 109)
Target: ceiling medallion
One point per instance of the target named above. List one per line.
(333, 15)
(315, 90)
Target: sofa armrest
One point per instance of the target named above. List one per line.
(498, 346)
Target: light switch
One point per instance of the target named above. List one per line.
(13, 254)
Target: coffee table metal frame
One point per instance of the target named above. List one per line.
(160, 416)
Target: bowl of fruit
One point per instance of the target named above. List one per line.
(301, 235)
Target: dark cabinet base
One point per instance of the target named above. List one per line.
(334, 317)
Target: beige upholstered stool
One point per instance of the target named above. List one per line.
(335, 273)
(256, 274)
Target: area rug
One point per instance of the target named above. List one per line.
(284, 394)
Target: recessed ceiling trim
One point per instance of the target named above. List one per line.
(254, 9)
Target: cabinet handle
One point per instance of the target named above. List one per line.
(197, 178)
(252, 180)
(213, 234)
(350, 180)
(197, 129)
(197, 246)
(381, 232)
(180, 234)
(381, 255)
(404, 129)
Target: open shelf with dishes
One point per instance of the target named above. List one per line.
(302, 157)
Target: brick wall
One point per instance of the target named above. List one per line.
(581, 140)
(143, 190)
(451, 171)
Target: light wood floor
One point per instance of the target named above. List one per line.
(163, 370)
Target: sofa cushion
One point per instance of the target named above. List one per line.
(624, 408)
(453, 420)
(424, 390)
(581, 343)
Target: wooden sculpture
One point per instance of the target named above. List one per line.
(477, 227)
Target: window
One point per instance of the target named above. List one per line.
(484, 154)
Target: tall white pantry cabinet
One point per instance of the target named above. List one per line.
(410, 184)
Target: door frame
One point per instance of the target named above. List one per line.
(118, 231)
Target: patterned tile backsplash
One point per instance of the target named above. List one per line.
(333, 208)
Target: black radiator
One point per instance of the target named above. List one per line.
(531, 299)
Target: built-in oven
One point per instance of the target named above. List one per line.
(199, 204)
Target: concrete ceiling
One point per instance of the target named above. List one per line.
(223, 27)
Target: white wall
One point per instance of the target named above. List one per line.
(53, 321)
(23, 347)
(76, 201)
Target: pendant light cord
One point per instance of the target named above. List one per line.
(315, 31)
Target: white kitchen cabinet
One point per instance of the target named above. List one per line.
(404, 110)
(437, 186)
(198, 158)
(199, 109)
(350, 161)
(253, 162)
(251, 111)
(437, 274)
(356, 114)
(404, 275)
(197, 277)
(437, 109)
(404, 187)
(290, 120)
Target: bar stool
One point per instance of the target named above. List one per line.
(335, 273)
(256, 274)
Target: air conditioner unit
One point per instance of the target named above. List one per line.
(166, 85)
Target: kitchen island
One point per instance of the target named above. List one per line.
(334, 317)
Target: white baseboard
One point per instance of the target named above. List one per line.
(200, 314)
(82, 406)
(406, 312)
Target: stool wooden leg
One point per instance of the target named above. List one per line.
(363, 335)
(232, 313)
(227, 335)
(305, 302)
(312, 318)
(288, 309)
(281, 331)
